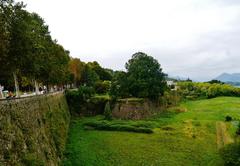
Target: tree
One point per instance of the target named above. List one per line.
(76, 68)
(14, 25)
(27, 49)
(215, 82)
(89, 76)
(4, 36)
(119, 85)
(58, 65)
(145, 77)
(37, 54)
(103, 74)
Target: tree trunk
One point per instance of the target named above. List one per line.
(16, 84)
(36, 87)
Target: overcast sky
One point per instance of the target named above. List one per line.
(199, 39)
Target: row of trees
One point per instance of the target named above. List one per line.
(90, 74)
(29, 54)
(143, 78)
(27, 49)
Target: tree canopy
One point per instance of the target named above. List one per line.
(144, 78)
(27, 48)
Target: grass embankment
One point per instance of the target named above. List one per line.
(187, 138)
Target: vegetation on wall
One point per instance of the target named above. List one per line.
(84, 101)
(33, 131)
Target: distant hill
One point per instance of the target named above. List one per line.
(226, 77)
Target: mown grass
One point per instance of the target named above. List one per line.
(185, 138)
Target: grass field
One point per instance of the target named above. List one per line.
(193, 138)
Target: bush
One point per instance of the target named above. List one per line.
(74, 100)
(192, 91)
(228, 118)
(170, 98)
(102, 87)
(77, 98)
(82, 102)
(105, 125)
(231, 154)
(86, 92)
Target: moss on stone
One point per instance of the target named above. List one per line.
(33, 131)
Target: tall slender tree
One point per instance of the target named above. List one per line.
(13, 26)
(76, 68)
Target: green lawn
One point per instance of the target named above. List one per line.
(189, 138)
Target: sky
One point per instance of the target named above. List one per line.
(199, 39)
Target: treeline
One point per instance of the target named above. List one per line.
(29, 55)
(90, 74)
(193, 90)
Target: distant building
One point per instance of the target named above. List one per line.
(172, 85)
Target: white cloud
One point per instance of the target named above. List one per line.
(188, 37)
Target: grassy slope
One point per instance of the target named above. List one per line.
(187, 138)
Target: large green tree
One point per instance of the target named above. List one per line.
(27, 49)
(14, 56)
(145, 76)
(4, 35)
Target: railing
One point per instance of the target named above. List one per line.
(32, 95)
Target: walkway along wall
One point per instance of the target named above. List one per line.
(33, 130)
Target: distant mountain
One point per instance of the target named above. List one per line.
(226, 77)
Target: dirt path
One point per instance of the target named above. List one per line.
(223, 137)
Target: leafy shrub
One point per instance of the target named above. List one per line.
(74, 100)
(102, 87)
(82, 102)
(192, 91)
(231, 154)
(105, 125)
(170, 98)
(86, 92)
(228, 118)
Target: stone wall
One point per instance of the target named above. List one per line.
(33, 130)
(134, 109)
